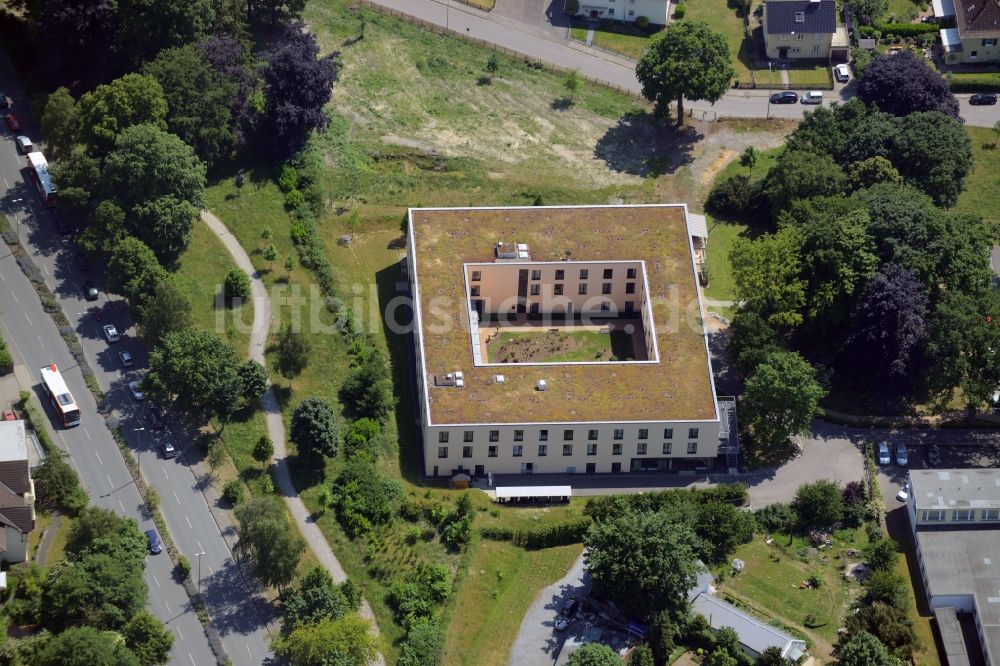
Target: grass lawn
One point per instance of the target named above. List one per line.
(543, 347)
(723, 18)
(905, 10)
(501, 583)
(614, 37)
(908, 567)
(981, 196)
(810, 75)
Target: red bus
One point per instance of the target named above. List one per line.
(62, 399)
(39, 168)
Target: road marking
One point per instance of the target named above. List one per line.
(25, 315)
(190, 526)
(176, 497)
(40, 340)
(46, 269)
(121, 505)
(156, 580)
(248, 650)
(179, 632)
(211, 571)
(5, 183)
(165, 473)
(2, 277)
(98, 457)
(192, 659)
(108, 477)
(168, 607)
(14, 296)
(200, 549)
(86, 432)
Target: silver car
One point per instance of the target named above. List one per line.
(902, 457)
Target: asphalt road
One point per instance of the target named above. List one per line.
(236, 610)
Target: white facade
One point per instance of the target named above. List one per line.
(625, 10)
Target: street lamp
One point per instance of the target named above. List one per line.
(17, 218)
(198, 555)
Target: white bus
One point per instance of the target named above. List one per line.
(62, 399)
(43, 179)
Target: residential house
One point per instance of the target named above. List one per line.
(17, 493)
(977, 29)
(804, 29)
(625, 10)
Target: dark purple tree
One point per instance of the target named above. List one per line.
(297, 83)
(81, 38)
(889, 327)
(228, 57)
(901, 84)
(275, 10)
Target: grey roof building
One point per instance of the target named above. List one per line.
(755, 636)
(795, 16)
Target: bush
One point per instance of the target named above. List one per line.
(561, 534)
(6, 362)
(183, 567)
(288, 179)
(236, 285)
(234, 492)
(985, 82)
(294, 199)
(904, 30)
(679, 10)
(641, 22)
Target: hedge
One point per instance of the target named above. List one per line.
(986, 82)
(906, 29)
(561, 534)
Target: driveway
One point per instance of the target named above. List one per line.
(537, 642)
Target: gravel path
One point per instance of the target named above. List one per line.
(275, 425)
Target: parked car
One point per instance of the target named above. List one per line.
(24, 145)
(90, 291)
(904, 493)
(842, 73)
(12, 122)
(169, 450)
(111, 333)
(153, 542)
(902, 456)
(155, 417)
(136, 390)
(883, 454)
(933, 455)
(785, 97)
(126, 358)
(983, 99)
(813, 97)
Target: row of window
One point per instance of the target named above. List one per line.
(567, 450)
(960, 515)
(568, 434)
(536, 274)
(798, 35)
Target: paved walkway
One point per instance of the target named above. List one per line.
(538, 642)
(275, 425)
(42, 551)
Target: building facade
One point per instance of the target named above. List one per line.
(17, 493)
(803, 29)
(625, 10)
(976, 33)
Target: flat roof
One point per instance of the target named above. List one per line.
(951, 636)
(534, 491)
(753, 633)
(956, 489)
(966, 563)
(13, 441)
(678, 388)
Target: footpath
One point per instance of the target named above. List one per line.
(275, 425)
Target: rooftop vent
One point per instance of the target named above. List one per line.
(456, 379)
(541, 385)
(499, 379)
(506, 250)
(800, 17)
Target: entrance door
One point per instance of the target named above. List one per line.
(782, 52)
(480, 471)
(591, 468)
(616, 468)
(527, 468)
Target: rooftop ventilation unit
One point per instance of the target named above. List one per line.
(522, 251)
(506, 250)
(541, 385)
(499, 379)
(459, 380)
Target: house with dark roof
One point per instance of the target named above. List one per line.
(976, 33)
(17, 492)
(803, 29)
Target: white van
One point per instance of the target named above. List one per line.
(812, 97)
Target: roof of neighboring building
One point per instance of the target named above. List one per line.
(13, 441)
(697, 225)
(753, 633)
(978, 18)
(966, 562)
(817, 16)
(18, 516)
(943, 8)
(678, 387)
(534, 491)
(955, 488)
(951, 636)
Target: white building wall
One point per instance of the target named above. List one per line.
(963, 603)
(17, 546)
(625, 10)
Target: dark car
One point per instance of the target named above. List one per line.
(90, 291)
(169, 450)
(12, 122)
(983, 99)
(786, 97)
(154, 543)
(570, 607)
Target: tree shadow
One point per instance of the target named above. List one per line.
(642, 145)
(484, 81)
(561, 104)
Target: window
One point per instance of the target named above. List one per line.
(606, 306)
(630, 287)
(533, 308)
(567, 449)
(630, 274)
(619, 433)
(583, 288)
(643, 433)
(936, 514)
(557, 289)
(991, 514)
(609, 273)
(474, 290)
(629, 306)
(442, 452)
(536, 275)
(800, 17)
(560, 274)
(583, 273)
(640, 449)
(518, 450)
(989, 42)
(974, 54)
(567, 435)
(467, 436)
(493, 451)
(443, 437)
(668, 448)
(543, 450)
(591, 449)
(816, 49)
(616, 449)
(518, 435)
(784, 37)
(606, 288)
(962, 514)
(592, 435)
(611, 10)
(692, 447)
(692, 433)
(494, 435)
(466, 451)
(536, 289)
(796, 49)
(800, 36)
(543, 435)
(631, 12)
(668, 433)
(476, 275)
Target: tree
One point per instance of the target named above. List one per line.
(645, 561)
(119, 534)
(292, 355)
(348, 640)
(887, 587)
(77, 177)
(317, 598)
(361, 494)
(687, 60)
(199, 101)
(236, 286)
(263, 450)
(935, 155)
(166, 311)
(871, 134)
(158, 182)
(768, 278)
(661, 637)
(275, 10)
(751, 340)
(872, 171)
(150, 27)
(270, 254)
(422, 645)
(749, 158)
(819, 505)
(869, 11)
(492, 65)
(880, 554)
(367, 391)
(59, 123)
(58, 483)
(197, 371)
(315, 430)
(642, 655)
(267, 541)
(297, 84)
(86, 646)
(728, 526)
(800, 175)
(727, 642)
(771, 657)
(253, 379)
(594, 654)
(83, 35)
(109, 109)
(363, 435)
(134, 272)
(289, 265)
(905, 85)
(101, 588)
(571, 82)
(228, 57)
(148, 639)
(891, 626)
(863, 649)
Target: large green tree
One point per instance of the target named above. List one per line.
(134, 272)
(594, 654)
(86, 646)
(347, 640)
(148, 639)
(863, 649)
(935, 154)
(768, 275)
(645, 561)
(148, 26)
(317, 597)
(59, 123)
(819, 505)
(780, 398)
(687, 60)
(315, 429)
(101, 589)
(165, 311)
(189, 368)
(799, 175)
(268, 541)
(292, 352)
(110, 108)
